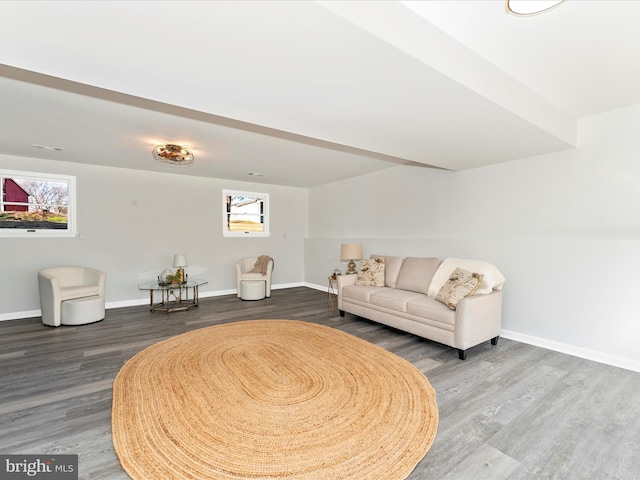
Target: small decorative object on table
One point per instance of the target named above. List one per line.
(165, 277)
(179, 262)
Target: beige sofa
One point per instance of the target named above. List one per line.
(407, 301)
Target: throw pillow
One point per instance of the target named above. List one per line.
(492, 277)
(461, 283)
(371, 272)
(391, 269)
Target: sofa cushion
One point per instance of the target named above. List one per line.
(429, 307)
(371, 272)
(416, 273)
(492, 278)
(393, 299)
(359, 293)
(460, 284)
(253, 276)
(77, 291)
(391, 269)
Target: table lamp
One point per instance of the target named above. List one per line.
(180, 261)
(351, 252)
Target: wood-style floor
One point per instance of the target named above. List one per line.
(511, 411)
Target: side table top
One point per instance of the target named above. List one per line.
(170, 286)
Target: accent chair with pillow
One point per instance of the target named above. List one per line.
(254, 272)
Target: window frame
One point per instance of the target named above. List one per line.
(70, 231)
(225, 214)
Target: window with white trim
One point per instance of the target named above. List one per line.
(245, 214)
(35, 204)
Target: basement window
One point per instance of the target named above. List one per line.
(245, 214)
(37, 205)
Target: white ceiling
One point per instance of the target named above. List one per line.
(309, 92)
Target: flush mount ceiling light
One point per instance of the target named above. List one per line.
(526, 8)
(173, 155)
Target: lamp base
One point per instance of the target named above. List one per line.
(351, 268)
(180, 276)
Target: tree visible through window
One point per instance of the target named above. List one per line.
(245, 214)
(34, 203)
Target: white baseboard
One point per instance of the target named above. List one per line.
(580, 352)
(145, 301)
(322, 288)
(19, 315)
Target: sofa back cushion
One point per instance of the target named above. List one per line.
(416, 273)
(67, 276)
(391, 269)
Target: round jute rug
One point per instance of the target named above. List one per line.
(271, 399)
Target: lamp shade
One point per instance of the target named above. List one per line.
(350, 251)
(179, 260)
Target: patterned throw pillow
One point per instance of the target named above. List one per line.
(371, 272)
(461, 283)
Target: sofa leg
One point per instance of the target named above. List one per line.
(462, 354)
(342, 313)
(494, 340)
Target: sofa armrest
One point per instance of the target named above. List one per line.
(478, 319)
(50, 298)
(343, 281)
(238, 277)
(93, 276)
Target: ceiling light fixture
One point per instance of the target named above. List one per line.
(527, 8)
(173, 155)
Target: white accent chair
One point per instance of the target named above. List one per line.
(243, 267)
(71, 295)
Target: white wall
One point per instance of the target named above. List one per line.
(563, 228)
(133, 243)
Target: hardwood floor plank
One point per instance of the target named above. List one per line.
(484, 462)
(52, 395)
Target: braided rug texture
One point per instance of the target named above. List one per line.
(271, 399)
